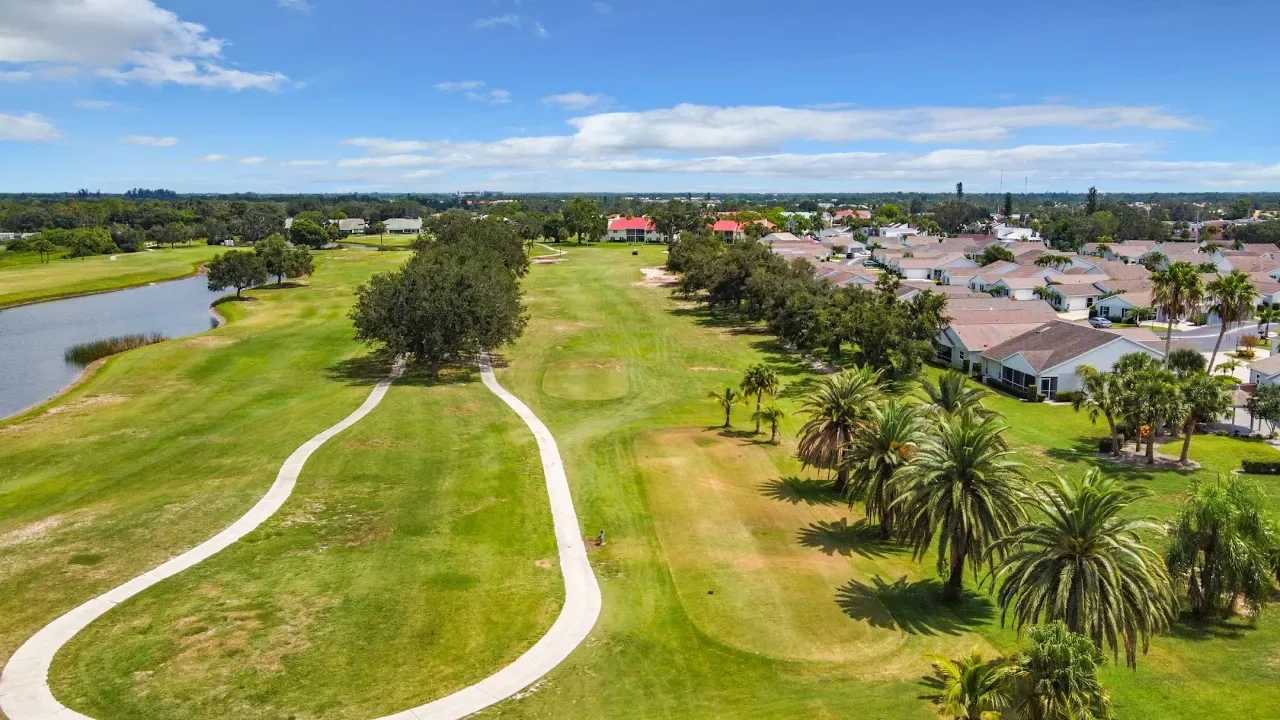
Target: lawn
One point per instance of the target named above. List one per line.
(734, 584)
(395, 241)
(415, 556)
(22, 281)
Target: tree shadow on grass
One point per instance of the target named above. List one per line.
(916, 607)
(370, 369)
(797, 490)
(1085, 450)
(1190, 627)
(842, 538)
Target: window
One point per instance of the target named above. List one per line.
(1016, 377)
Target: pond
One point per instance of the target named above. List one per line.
(33, 338)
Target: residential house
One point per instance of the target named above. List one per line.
(1045, 360)
(403, 226)
(1265, 371)
(1018, 287)
(352, 226)
(728, 230)
(633, 229)
(980, 322)
(1074, 292)
(1009, 234)
(1121, 299)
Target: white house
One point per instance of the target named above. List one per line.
(1045, 360)
(1074, 292)
(403, 226)
(980, 322)
(1128, 298)
(1008, 234)
(1265, 371)
(1017, 288)
(351, 226)
(633, 229)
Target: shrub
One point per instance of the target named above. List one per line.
(1261, 466)
(1067, 397)
(85, 353)
(1105, 445)
(1200, 319)
(1245, 353)
(1252, 341)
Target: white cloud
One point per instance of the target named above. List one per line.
(213, 157)
(150, 140)
(302, 6)
(15, 75)
(701, 144)
(252, 160)
(507, 20)
(458, 85)
(304, 163)
(602, 8)
(707, 127)
(87, 104)
(30, 127)
(125, 40)
(540, 30)
(577, 100)
(475, 90)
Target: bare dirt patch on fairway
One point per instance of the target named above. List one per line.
(656, 277)
(211, 341)
(87, 402)
(587, 380)
(790, 580)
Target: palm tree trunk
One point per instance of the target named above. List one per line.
(955, 580)
(1151, 446)
(758, 398)
(728, 416)
(842, 477)
(1217, 344)
(1116, 442)
(1168, 339)
(1187, 429)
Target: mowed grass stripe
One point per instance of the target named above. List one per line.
(26, 282)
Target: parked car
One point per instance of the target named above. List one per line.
(1099, 322)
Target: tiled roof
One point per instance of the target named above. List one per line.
(1052, 344)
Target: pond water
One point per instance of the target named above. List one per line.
(33, 338)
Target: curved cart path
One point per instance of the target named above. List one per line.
(24, 687)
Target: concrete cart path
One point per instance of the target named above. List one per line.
(24, 687)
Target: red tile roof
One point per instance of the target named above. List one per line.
(727, 226)
(631, 223)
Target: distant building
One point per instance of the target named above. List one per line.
(633, 229)
(351, 226)
(403, 226)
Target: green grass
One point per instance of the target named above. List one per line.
(25, 282)
(415, 556)
(734, 586)
(395, 241)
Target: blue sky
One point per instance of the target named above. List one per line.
(581, 95)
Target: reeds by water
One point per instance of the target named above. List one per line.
(84, 353)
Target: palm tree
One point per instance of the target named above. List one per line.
(1232, 296)
(759, 380)
(970, 688)
(772, 415)
(1177, 291)
(1057, 677)
(1227, 367)
(1080, 560)
(1222, 545)
(1102, 394)
(952, 393)
(1206, 398)
(884, 443)
(841, 403)
(1266, 316)
(1153, 399)
(727, 400)
(962, 488)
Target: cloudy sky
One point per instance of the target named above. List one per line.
(611, 95)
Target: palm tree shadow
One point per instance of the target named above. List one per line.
(796, 490)
(845, 539)
(1190, 627)
(916, 607)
